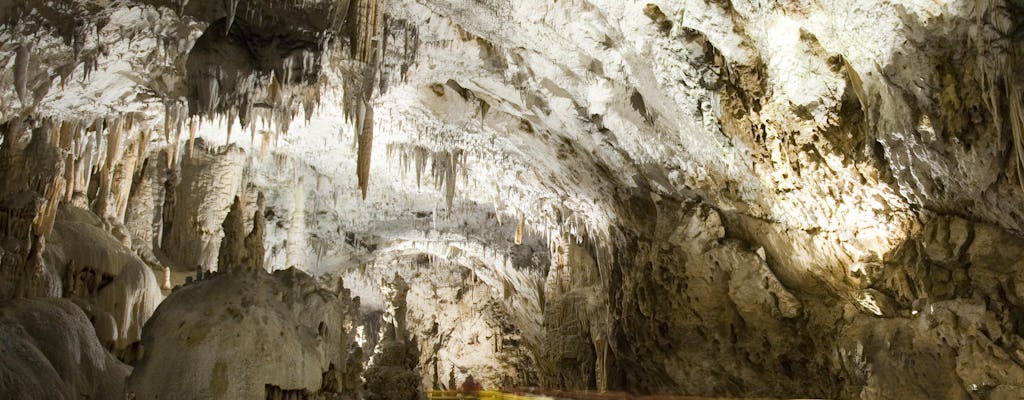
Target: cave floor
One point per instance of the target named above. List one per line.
(543, 394)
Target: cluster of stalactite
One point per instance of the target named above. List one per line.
(445, 167)
(72, 22)
(365, 31)
(28, 204)
(47, 162)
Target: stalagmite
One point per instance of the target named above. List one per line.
(200, 198)
(232, 247)
(254, 242)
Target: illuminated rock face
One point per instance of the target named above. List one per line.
(245, 334)
(700, 197)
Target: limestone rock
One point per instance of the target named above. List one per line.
(98, 269)
(244, 335)
(209, 181)
(42, 361)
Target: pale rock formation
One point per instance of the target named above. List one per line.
(392, 373)
(465, 327)
(243, 335)
(694, 298)
(255, 242)
(295, 247)
(811, 199)
(232, 246)
(49, 350)
(575, 341)
(144, 216)
(209, 181)
(238, 250)
(948, 318)
(99, 270)
(469, 310)
(28, 206)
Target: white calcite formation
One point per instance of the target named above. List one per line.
(715, 198)
(100, 270)
(245, 334)
(208, 182)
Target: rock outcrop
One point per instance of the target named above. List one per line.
(119, 289)
(209, 181)
(393, 372)
(49, 350)
(246, 334)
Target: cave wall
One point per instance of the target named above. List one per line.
(763, 199)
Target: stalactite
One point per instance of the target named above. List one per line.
(252, 134)
(358, 95)
(231, 7)
(421, 164)
(450, 178)
(21, 63)
(1016, 110)
(193, 126)
(69, 176)
(102, 203)
(230, 126)
(167, 132)
(365, 150)
(519, 230)
(265, 144)
(143, 148)
(173, 127)
(212, 98)
(122, 178)
(181, 6)
(254, 243)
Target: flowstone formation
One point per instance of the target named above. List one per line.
(41, 362)
(116, 288)
(248, 334)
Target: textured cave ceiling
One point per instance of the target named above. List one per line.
(603, 166)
